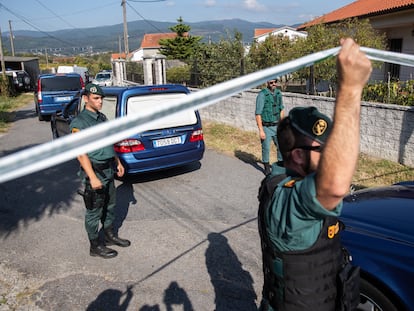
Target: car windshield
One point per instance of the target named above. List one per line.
(145, 103)
(103, 76)
(61, 83)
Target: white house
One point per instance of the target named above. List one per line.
(260, 34)
(150, 45)
(394, 18)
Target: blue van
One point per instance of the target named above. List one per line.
(176, 140)
(54, 91)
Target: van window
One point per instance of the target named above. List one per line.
(109, 106)
(144, 104)
(103, 76)
(61, 83)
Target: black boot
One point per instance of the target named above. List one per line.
(97, 249)
(111, 238)
(267, 168)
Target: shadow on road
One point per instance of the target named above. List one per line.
(233, 286)
(249, 159)
(33, 196)
(157, 175)
(111, 299)
(174, 295)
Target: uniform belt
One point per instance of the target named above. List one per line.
(103, 166)
(269, 123)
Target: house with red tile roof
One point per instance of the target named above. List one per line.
(260, 34)
(150, 45)
(395, 18)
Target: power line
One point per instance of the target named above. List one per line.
(23, 19)
(140, 15)
(59, 17)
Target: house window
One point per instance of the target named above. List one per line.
(395, 45)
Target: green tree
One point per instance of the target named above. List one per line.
(279, 49)
(221, 61)
(179, 74)
(273, 51)
(321, 37)
(181, 47)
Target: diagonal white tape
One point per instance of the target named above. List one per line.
(63, 149)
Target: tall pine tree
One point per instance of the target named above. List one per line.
(181, 47)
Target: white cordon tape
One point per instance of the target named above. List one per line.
(66, 148)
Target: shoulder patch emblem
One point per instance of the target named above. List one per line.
(290, 183)
(333, 230)
(74, 130)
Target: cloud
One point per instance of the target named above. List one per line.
(210, 3)
(253, 5)
(170, 3)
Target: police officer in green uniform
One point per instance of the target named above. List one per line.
(97, 172)
(269, 110)
(304, 265)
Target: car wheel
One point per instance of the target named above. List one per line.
(38, 114)
(55, 133)
(372, 299)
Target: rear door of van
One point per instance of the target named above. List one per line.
(55, 91)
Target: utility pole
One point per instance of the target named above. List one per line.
(47, 61)
(125, 29)
(119, 45)
(4, 87)
(3, 64)
(11, 38)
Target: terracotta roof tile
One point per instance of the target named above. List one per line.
(151, 40)
(119, 55)
(261, 31)
(360, 8)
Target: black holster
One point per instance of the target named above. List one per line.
(94, 198)
(348, 288)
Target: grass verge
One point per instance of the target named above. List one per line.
(8, 106)
(370, 172)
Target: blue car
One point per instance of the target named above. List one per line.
(379, 234)
(175, 141)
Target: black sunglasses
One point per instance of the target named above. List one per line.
(312, 148)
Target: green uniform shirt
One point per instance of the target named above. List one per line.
(265, 107)
(295, 217)
(87, 119)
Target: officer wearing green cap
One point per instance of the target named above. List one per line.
(97, 172)
(269, 110)
(304, 264)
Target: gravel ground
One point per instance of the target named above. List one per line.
(16, 290)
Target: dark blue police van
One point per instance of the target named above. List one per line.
(54, 91)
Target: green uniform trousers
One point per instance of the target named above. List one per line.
(106, 214)
(271, 135)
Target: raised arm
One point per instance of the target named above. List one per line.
(340, 155)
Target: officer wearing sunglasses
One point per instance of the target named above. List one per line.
(269, 110)
(305, 266)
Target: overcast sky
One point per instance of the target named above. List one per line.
(50, 15)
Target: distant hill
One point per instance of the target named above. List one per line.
(108, 38)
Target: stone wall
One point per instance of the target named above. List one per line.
(386, 130)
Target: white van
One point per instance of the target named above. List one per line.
(82, 71)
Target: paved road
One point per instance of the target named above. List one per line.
(194, 236)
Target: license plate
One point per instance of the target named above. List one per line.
(167, 141)
(63, 99)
